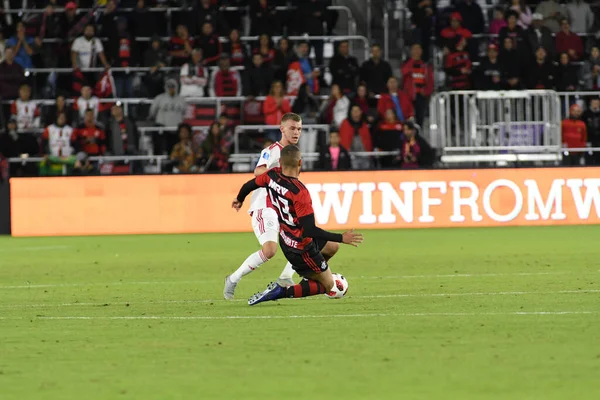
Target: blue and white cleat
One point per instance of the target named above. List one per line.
(272, 292)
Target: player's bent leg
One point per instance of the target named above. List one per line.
(269, 249)
(330, 249)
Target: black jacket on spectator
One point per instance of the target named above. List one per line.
(344, 161)
(263, 20)
(519, 40)
(419, 16)
(545, 40)
(281, 63)
(540, 76)
(311, 14)
(257, 80)
(567, 77)
(345, 72)
(143, 23)
(592, 122)
(511, 65)
(107, 24)
(11, 77)
(67, 24)
(376, 75)
(485, 73)
(472, 16)
(211, 48)
(210, 14)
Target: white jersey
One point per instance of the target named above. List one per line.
(269, 157)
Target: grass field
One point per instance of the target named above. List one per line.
(505, 313)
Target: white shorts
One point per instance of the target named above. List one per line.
(266, 225)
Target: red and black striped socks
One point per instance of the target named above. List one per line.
(305, 288)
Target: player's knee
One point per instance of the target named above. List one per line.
(269, 249)
(330, 249)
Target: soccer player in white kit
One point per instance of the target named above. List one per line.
(264, 219)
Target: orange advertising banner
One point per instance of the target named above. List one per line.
(368, 200)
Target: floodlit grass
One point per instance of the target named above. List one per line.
(505, 313)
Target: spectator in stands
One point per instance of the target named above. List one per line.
(395, 100)
(410, 149)
(275, 105)
(25, 110)
(335, 110)
(375, 72)
(334, 157)
(121, 133)
(193, 76)
(144, 23)
(457, 66)
(180, 46)
(591, 117)
(511, 65)
(283, 56)
(302, 70)
(87, 101)
(50, 113)
(422, 16)
(523, 13)
(540, 75)
(69, 19)
(306, 105)
(155, 57)
(168, 108)
(488, 75)
(513, 31)
(107, 21)
(367, 104)
(258, 77)
(472, 16)
(356, 136)
(89, 137)
(311, 15)
(207, 11)
(417, 81)
(581, 16)
(210, 45)
(498, 22)
(122, 50)
(11, 76)
(23, 46)
(388, 138)
(182, 153)
(553, 13)
(49, 29)
(58, 138)
(86, 50)
(263, 18)
(539, 35)
(567, 78)
(590, 71)
(265, 48)
(574, 135)
(225, 82)
(236, 49)
(344, 68)
(215, 148)
(455, 32)
(568, 41)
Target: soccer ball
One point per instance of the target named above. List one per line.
(340, 287)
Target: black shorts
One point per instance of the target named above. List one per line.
(308, 260)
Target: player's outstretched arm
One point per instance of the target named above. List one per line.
(245, 190)
(313, 231)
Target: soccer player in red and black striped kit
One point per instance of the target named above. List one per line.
(306, 247)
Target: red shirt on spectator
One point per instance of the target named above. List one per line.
(417, 78)
(177, 50)
(385, 102)
(574, 133)
(458, 69)
(225, 83)
(460, 33)
(273, 113)
(569, 41)
(90, 139)
(347, 131)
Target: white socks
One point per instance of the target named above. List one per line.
(288, 272)
(253, 261)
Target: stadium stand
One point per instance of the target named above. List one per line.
(479, 81)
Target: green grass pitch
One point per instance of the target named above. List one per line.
(504, 313)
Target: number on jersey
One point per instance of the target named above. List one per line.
(283, 206)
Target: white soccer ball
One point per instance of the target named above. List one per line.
(340, 287)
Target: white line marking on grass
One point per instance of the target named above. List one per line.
(246, 317)
(34, 248)
(51, 285)
(382, 296)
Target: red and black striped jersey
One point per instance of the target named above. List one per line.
(291, 200)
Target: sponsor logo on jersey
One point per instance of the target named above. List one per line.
(289, 242)
(323, 265)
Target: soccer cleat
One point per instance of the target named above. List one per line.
(229, 288)
(285, 282)
(272, 292)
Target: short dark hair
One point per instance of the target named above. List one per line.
(291, 116)
(290, 156)
(87, 110)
